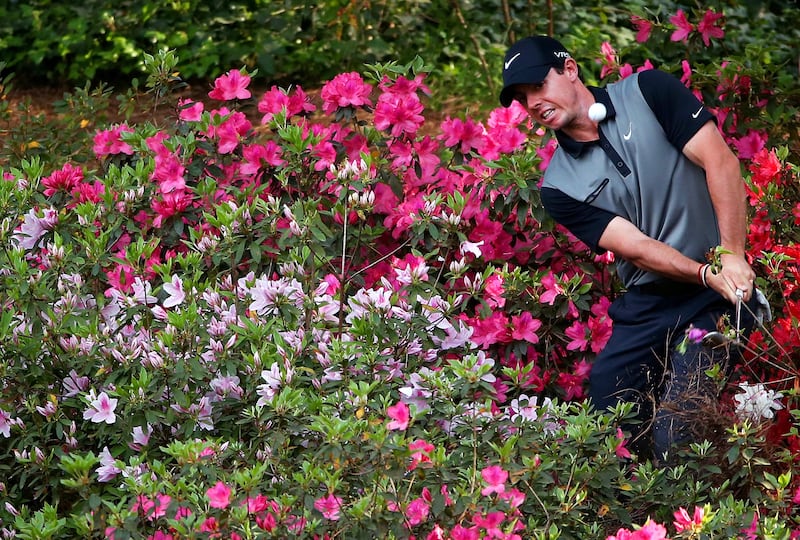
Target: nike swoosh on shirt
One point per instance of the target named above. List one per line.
(695, 115)
(508, 63)
(627, 136)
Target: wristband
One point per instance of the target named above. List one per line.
(703, 270)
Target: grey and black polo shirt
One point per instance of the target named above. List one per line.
(636, 170)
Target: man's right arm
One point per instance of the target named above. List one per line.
(583, 220)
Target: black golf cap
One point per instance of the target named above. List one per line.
(528, 61)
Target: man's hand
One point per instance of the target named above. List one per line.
(735, 274)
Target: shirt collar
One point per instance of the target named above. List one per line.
(575, 148)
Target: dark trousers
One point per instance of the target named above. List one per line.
(641, 363)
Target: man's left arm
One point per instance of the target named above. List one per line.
(708, 150)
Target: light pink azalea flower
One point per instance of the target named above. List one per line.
(34, 227)
(101, 408)
(5, 424)
(107, 470)
(175, 291)
(140, 437)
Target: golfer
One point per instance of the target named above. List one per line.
(648, 177)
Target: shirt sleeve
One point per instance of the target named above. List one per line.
(583, 220)
(676, 108)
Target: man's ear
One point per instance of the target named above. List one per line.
(571, 69)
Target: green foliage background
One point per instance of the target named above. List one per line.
(298, 42)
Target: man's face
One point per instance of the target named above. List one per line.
(552, 103)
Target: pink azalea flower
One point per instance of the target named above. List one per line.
(219, 496)
(552, 289)
(495, 477)
(400, 416)
(230, 132)
(459, 532)
(152, 508)
(258, 156)
(399, 114)
(546, 152)
(65, 180)
(620, 450)
(466, 134)
(491, 522)
(692, 524)
(610, 59)
(683, 27)
(101, 408)
(493, 291)
(329, 506)
(708, 27)
(169, 173)
(646, 66)
(513, 497)
(232, 85)
(491, 330)
(417, 511)
(686, 77)
(109, 142)
(190, 111)
(276, 100)
(577, 334)
(643, 28)
(750, 144)
(600, 330)
(170, 204)
(420, 453)
(345, 90)
(524, 327)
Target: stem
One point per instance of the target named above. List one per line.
(476, 44)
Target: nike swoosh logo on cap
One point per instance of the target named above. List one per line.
(695, 115)
(510, 60)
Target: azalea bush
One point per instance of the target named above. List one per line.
(335, 320)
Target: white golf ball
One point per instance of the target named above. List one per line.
(597, 112)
